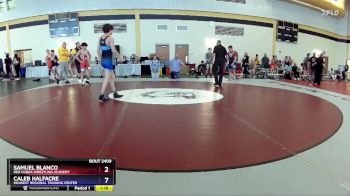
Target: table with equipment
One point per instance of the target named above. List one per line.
(37, 72)
(121, 69)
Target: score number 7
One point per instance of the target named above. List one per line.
(106, 180)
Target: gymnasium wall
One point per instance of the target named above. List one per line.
(258, 35)
(3, 44)
(258, 18)
(201, 35)
(336, 51)
(275, 9)
(38, 39)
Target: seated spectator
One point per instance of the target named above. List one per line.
(201, 69)
(125, 60)
(287, 69)
(134, 59)
(302, 69)
(296, 71)
(344, 72)
(279, 64)
(256, 60)
(252, 68)
(338, 73)
(290, 60)
(175, 67)
(273, 65)
(285, 61)
(265, 62)
(333, 75)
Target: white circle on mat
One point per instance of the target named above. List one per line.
(168, 96)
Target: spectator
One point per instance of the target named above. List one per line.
(209, 63)
(125, 60)
(201, 69)
(312, 63)
(175, 67)
(287, 71)
(245, 65)
(71, 64)
(155, 67)
(333, 75)
(8, 64)
(318, 69)
(76, 62)
(17, 65)
(346, 71)
(279, 64)
(341, 70)
(306, 62)
(63, 56)
(273, 65)
(286, 61)
(265, 62)
(55, 65)
(2, 72)
(48, 60)
(302, 71)
(220, 54)
(255, 63)
(290, 60)
(296, 71)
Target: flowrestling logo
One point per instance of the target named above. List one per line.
(168, 96)
(330, 12)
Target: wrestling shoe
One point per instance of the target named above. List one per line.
(116, 95)
(102, 98)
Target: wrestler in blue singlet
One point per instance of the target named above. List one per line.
(107, 55)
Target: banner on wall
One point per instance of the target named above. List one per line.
(117, 27)
(229, 30)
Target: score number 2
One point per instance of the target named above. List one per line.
(106, 171)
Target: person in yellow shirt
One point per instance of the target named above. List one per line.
(254, 64)
(63, 58)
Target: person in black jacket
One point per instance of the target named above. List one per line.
(8, 63)
(17, 66)
(2, 72)
(318, 69)
(245, 65)
(220, 53)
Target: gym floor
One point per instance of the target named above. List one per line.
(250, 137)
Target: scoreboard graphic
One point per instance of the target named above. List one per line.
(61, 174)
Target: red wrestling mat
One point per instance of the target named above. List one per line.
(249, 126)
(337, 87)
